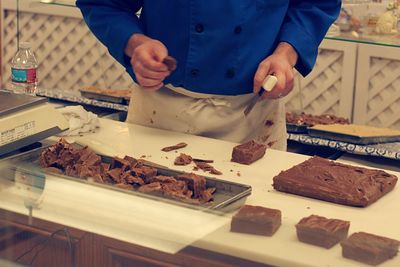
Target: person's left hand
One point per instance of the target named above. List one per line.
(279, 64)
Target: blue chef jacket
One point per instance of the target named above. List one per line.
(218, 43)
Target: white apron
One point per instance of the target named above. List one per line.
(215, 116)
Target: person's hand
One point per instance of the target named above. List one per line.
(279, 64)
(146, 58)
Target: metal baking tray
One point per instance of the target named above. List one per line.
(228, 196)
(106, 98)
(296, 128)
(353, 139)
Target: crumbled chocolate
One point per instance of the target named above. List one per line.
(175, 147)
(207, 167)
(126, 173)
(183, 159)
(311, 120)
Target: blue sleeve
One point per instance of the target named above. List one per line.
(113, 22)
(304, 27)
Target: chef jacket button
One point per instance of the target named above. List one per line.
(230, 73)
(199, 28)
(238, 30)
(194, 72)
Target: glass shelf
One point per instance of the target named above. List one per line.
(392, 40)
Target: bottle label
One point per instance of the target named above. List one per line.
(23, 75)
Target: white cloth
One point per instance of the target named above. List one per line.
(80, 121)
(214, 116)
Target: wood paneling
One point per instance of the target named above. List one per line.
(91, 250)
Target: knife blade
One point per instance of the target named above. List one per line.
(268, 84)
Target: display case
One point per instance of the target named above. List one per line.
(49, 220)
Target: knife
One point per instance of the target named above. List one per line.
(268, 84)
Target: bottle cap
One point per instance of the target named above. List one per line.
(24, 45)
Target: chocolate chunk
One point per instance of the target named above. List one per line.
(162, 179)
(177, 146)
(170, 62)
(256, 220)
(207, 195)
(320, 231)
(144, 172)
(195, 183)
(248, 153)
(183, 159)
(115, 175)
(120, 163)
(152, 188)
(130, 179)
(369, 248)
(335, 182)
(207, 167)
(203, 160)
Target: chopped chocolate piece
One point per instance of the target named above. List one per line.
(204, 160)
(88, 157)
(321, 231)
(195, 183)
(120, 163)
(115, 175)
(256, 220)
(132, 161)
(335, 182)
(207, 195)
(170, 62)
(311, 120)
(368, 248)
(162, 179)
(195, 168)
(152, 188)
(183, 159)
(177, 146)
(248, 153)
(105, 167)
(207, 167)
(215, 172)
(144, 172)
(130, 179)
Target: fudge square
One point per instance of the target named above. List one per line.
(321, 231)
(368, 248)
(256, 220)
(248, 152)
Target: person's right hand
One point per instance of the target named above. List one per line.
(146, 58)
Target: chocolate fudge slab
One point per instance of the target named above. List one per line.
(368, 248)
(256, 220)
(248, 152)
(335, 182)
(321, 231)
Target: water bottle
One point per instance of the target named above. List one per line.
(24, 70)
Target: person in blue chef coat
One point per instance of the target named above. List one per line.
(224, 49)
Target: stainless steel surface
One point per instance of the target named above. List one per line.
(11, 102)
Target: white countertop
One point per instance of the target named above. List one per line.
(283, 249)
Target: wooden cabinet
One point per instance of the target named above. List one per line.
(17, 236)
